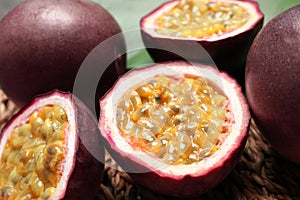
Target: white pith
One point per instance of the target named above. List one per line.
(71, 137)
(239, 108)
(149, 26)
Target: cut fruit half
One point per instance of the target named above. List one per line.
(189, 29)
(176, 124)
(51, 149)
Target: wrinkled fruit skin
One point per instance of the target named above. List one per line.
(166, 182)
(272, 82)
(43, 44)
(88, 163)
(229, 54)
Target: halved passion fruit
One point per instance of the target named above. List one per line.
(45, 151)
(224, 28)
(177, 128)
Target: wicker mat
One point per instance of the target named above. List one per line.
(260, 173)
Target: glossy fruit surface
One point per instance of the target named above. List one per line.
(272, 82)
(51, 149)
(191, 29)
(175, 124)
(43, 44)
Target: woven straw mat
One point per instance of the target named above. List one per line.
(260, 173)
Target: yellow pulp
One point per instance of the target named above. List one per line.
(201, 18)
(31, 160)
(180, 120)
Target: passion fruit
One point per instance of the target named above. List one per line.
(51, 149)
(272, 82)
(177, 128)
(43, 44)
(224, 28)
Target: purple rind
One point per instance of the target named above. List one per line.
(272, 82)
(90, 155)
(187, 187)
(88, 170)
(43, 44)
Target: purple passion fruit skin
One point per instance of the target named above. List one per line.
(81, 169)
(228, 50)
(188, 179)
(43, 44)
(272, 82)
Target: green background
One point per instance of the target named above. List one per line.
(129, 12)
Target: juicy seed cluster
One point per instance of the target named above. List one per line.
(194, 18)
(31, 159)
(179, 120)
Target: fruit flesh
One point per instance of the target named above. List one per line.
(193, 18)
(30, 164)
(179, 120)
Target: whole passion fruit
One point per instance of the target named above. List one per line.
(177, 128)
(43, 44)
(272, 82)
(51, 150)
(224, 28)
